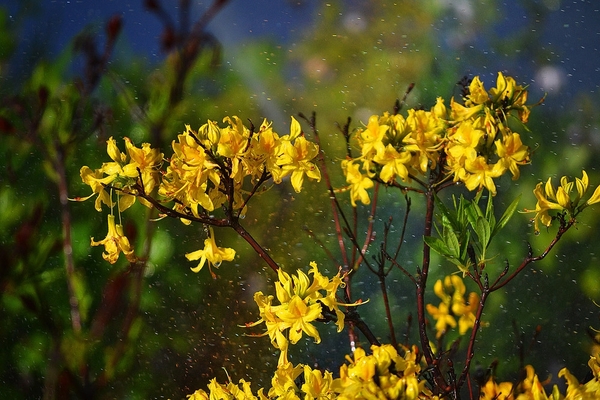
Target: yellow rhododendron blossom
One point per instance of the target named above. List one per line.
(512, 153)
(283, 383)
(114, 243)
(496, 391)
(371, 138)
(317, 385)
(212, 253)
(296, 161)
(359, 183)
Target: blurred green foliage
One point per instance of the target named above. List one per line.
(73, 326)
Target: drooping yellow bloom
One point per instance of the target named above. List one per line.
(114, 243)
(97, 181)
(212, 253)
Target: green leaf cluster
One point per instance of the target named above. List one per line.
(466, 231)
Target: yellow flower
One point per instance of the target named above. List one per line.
(574, 389)
(212, 253)
(198, 395)
(477, 92)
(442, 315)
(543, 206)
(426, 136)
(504, 90)
(114, 243)
(96, 180)
(464, 142)
(298, 316)
(394, 164)
(297, 161)
(359, 183)
(316, 384)
(496, 391)
(301, 303)
(371, 138)
(265, 152)
(481, 174)
(513, 153)
(595, 198)
(283, 381)
(461, 113)
(233, 144)
(453, 305)
(510, 96)
(147, 160)
(531, 387)
(121, 174)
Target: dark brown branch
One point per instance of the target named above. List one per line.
(529, 259)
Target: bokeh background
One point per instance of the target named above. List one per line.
(73, 73)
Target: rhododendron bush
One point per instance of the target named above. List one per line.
(210, 176)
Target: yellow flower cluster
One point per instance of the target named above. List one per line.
(384, 374)
(393, 146)
(122, 172)
(453, 305)
(480, 145)
(563, 198)
(206, 161)
(301, 302)
(207, 170)
(472, 142)
(532, 388)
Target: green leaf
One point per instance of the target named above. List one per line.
(446, 213)
(508, 213)
(489, 213)
(473, 213)
(451, 242)
(482, 228)
(436, 245)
